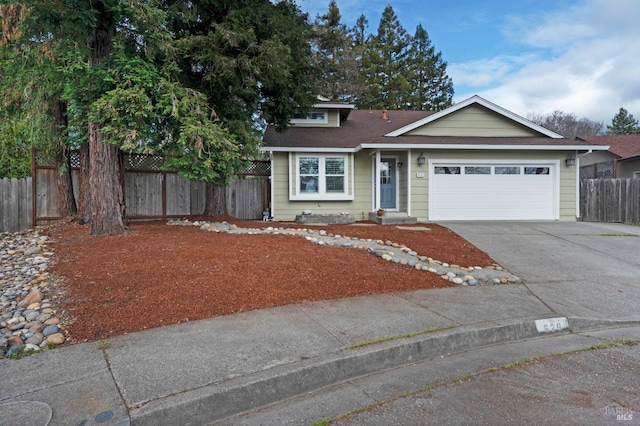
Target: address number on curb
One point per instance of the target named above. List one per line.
(550, 325)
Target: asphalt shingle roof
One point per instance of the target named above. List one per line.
(623, 146)
(368, 127)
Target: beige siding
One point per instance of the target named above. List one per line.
(420, 186)
(474, 120)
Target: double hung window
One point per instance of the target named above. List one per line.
(321, 176)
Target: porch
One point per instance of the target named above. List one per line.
(392, 218)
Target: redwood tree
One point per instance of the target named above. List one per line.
(111, 59)
(192, 80)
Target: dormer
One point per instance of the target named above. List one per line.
(325, 113)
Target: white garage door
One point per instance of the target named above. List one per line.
(484, 191)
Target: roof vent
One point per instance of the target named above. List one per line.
(384, 114)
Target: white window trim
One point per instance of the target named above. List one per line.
(294, 181)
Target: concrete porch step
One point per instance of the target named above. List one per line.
(392, 218)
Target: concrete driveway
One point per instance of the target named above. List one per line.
(579, 269)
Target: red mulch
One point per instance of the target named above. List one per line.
(155, 274)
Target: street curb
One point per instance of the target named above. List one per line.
(580, 324)
(220, 400)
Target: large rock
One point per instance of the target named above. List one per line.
(34, 297)
(14, 340)
(55, 339)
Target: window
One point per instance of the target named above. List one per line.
(321, 177)
(334, 172)
(444, 170)
(477, 170)
(536, 170)
(385, 173)
(309, 174)
(317, 117)
(507, 170)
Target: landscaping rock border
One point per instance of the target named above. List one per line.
(388, 250)
(28, 319)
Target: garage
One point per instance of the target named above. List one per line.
(508, 190)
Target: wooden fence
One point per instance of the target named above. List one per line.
(15, 204)
(149, 192)
(610, 200)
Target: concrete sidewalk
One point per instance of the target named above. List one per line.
(199, 372)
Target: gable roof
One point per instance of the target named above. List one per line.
(370, 129)
(478, 101)
(623, 146)
(362, 126)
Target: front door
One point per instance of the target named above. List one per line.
(388, 183)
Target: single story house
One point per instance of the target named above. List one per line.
(621, 160)
(472, 161)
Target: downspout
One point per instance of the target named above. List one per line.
(377, 180)
(272, 185)
(409, 183)
(578, 156)
(578, 185)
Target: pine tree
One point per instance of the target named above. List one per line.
(337, 59)
(623, 123)
(431, 87)
(385, 65)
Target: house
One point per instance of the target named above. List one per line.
(621, 160)
(472, 161)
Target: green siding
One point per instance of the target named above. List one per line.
(474, 120)
(286, 210)
(359, 208)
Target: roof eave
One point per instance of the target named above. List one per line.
(585, 148)
(486, 147)
(305, 149)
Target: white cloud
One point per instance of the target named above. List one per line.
(487, 72)
(589, 67)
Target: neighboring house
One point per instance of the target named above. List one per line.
(622, 160)
(472, 161)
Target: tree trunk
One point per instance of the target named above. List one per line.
(106, 207)
(84, 198)
(63, 164)
(107, 201)
(215, 202)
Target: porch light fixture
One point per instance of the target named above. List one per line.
(421, 160)
(400, 164)
(570, 160)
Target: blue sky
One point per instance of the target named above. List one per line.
(531, 57)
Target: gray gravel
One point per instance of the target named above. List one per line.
(28, 317)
